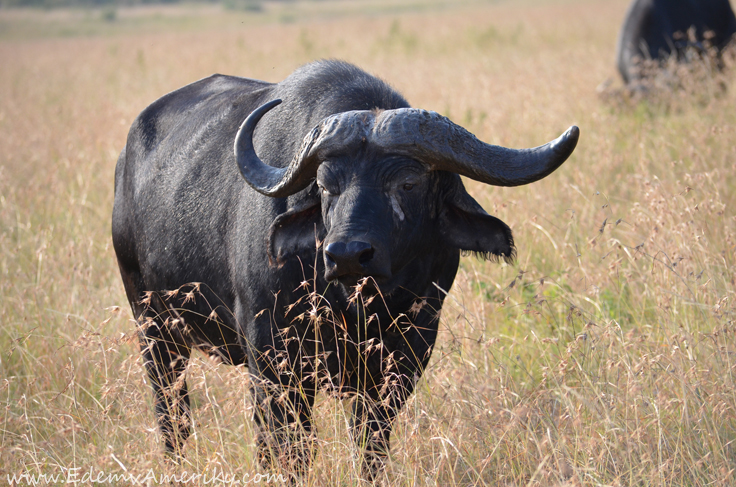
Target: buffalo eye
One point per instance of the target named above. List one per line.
(325, 191)
(408, 186)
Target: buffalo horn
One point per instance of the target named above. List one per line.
(443, 145)
(422, 135)
(268, 180)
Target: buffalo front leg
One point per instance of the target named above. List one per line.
(390, 379)
(165, 358)
(285, 432)
(373, 416)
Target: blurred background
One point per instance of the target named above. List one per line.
(603, 356)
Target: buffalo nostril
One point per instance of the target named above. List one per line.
(366, 256)
(360, 252)
(334, 252)
(349, 258)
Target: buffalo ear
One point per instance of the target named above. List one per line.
(465, 225)
(300, 228)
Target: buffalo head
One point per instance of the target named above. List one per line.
(384, 187)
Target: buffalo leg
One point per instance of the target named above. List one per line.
(165, 358)
(370, 428)
(372, 420)
(389, 382)
(283, 420)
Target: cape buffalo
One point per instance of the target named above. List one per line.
(657, 29)
(313, 242)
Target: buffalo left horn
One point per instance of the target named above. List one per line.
(435, 140)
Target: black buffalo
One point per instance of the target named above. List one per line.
(314, 242)
(658, 29)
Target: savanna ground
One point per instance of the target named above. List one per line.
(604, 356)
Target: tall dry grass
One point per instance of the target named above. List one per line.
(604, 356)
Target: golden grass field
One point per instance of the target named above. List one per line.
(603, 357)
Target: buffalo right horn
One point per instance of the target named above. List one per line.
(340, 132)
(431, 138)
(268, 180)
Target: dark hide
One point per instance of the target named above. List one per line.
(209, 263)
(657, 29)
